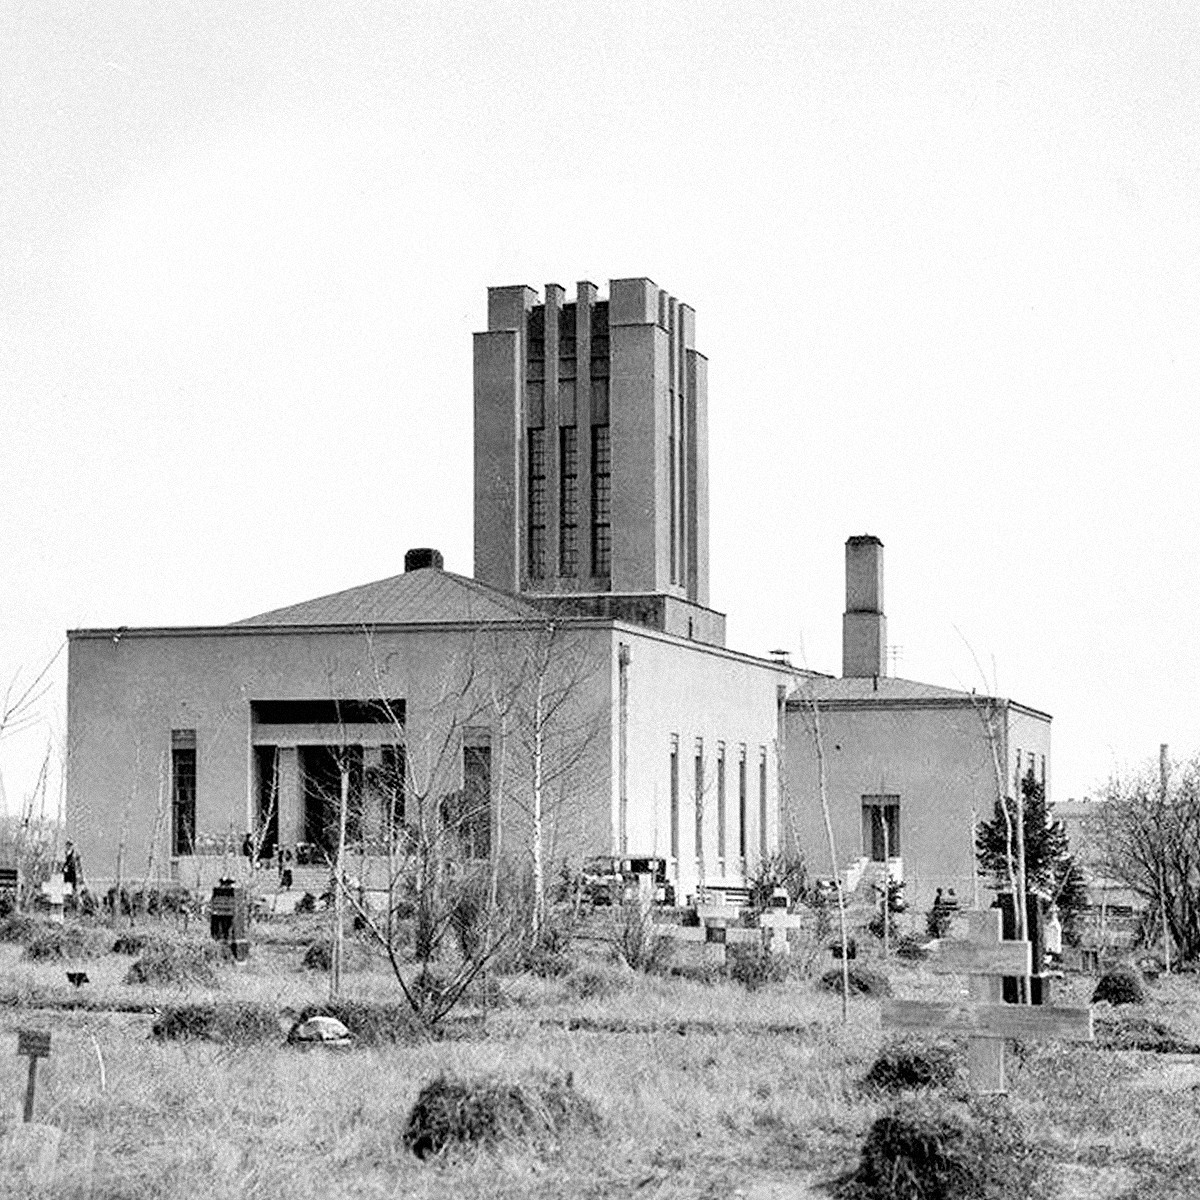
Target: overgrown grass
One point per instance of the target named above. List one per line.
(699, 1089)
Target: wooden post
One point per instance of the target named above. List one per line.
(34, 1044)
(984, 958)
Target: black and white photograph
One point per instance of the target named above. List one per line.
(455, 737)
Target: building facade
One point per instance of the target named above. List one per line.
(413, 697)
(910, 768)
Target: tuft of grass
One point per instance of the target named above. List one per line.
(19, 927)
(863, 982)
(318, 957)
(1140, 1033)
(1123, 985)
(451, 1112)
(754, 966)
(911, 948)
(930, 1150)
(238, 1023)
(911, 1066)
(177, 963)
(592, 983)
(136, 943)
(637, 942)
(50, 942)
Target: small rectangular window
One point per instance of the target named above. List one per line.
(183, 792)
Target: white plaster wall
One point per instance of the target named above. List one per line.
(936, 759)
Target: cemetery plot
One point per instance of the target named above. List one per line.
(986, 960)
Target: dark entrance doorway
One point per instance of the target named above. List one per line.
(881, 827)
(266, 819)
(321, 779)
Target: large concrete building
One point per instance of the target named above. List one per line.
(591, 590)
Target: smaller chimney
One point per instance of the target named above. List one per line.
(421, 557)
(864, 627)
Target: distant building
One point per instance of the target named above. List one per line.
(591, 583)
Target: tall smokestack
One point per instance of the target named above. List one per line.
(864, 627)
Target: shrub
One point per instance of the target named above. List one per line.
(306, 904)
(779, 870)
(51, 942)
(450, 1112)
(911, 948)
(707, 973)
(591, 983)
(370, 1024)
(186, 963)
(136, 943)
(909, 1066)
(237, 1023)
(863, 982)
(20, 927)
(1140, 1033)
(754, 965)
(1123, 985)
(637, 941)
(318, 957)
(851, 947)
(932, 1151)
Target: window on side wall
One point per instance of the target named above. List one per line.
(183, 792)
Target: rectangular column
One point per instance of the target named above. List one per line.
(291, 797)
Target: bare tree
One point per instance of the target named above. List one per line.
(541, 679)
(1147, 836)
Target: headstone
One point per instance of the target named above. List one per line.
(55, 890)
(985, 958)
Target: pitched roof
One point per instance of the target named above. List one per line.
(883, 687)
(426, 596)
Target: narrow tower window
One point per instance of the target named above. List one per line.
(675, 797)
(537, 503)
(568, 548)
(601, 502)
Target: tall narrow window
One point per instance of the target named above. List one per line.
(601, 502)
(183, 792)
(675, 797)
(672, 486)
(762, 801)
(742, 803)
(537, 503)
(721, 801)
(475, 820)
(699, 800)
(568, 545)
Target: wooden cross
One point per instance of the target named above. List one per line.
(987, 1022)
(34, 1044)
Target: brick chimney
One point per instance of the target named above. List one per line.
(864, 627)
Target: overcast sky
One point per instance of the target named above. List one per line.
(945, 260)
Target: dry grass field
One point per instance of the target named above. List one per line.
(700, 1089)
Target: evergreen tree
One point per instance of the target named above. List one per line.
(1050, 867)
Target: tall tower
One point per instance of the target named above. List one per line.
(591, 454)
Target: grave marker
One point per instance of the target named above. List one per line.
(987, 1022)
(34, 1044)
